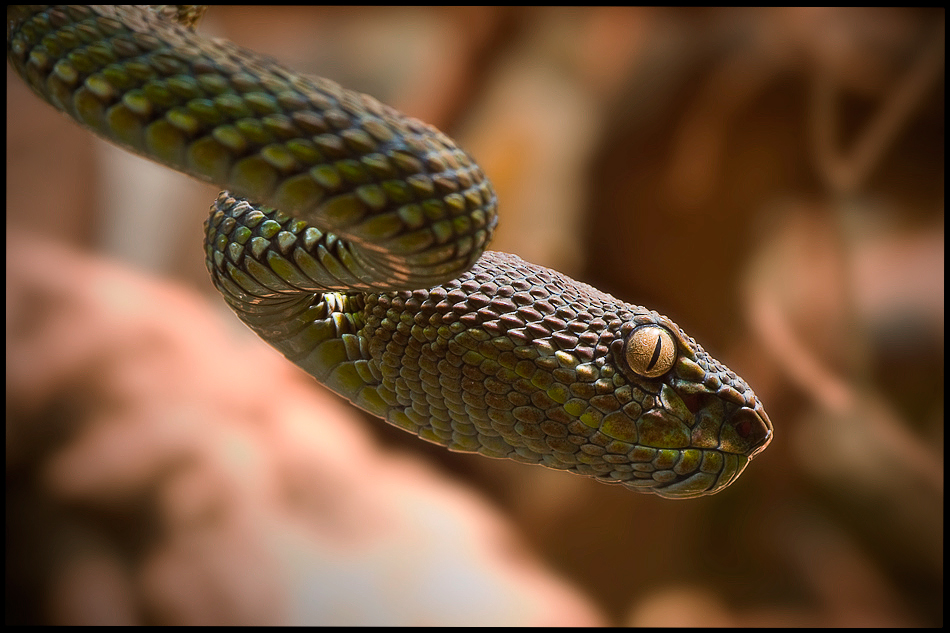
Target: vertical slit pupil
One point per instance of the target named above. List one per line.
(656, 352)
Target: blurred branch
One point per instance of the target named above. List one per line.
(862, 416)
(846, 174)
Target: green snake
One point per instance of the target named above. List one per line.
(367, 266)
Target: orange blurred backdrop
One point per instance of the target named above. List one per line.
(771, 179)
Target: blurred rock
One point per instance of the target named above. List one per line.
(166, 467)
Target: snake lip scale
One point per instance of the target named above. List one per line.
(352, 239)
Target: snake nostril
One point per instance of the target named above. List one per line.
(753, 427)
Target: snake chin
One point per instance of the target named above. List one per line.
(704, 483)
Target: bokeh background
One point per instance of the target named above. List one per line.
(771, 179)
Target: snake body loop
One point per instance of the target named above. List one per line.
(362, 260)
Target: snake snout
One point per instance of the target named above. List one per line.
(747, 431)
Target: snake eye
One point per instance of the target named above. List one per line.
(650, 351)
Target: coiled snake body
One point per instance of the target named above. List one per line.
(368, 268)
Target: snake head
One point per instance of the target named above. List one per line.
(543, 369)
(702, 420)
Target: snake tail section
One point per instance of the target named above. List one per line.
(415, 209)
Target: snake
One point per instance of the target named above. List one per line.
(352, 238)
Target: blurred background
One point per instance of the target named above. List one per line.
(771, 179)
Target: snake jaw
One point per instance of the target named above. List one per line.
(725, 424)
(703, 483)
